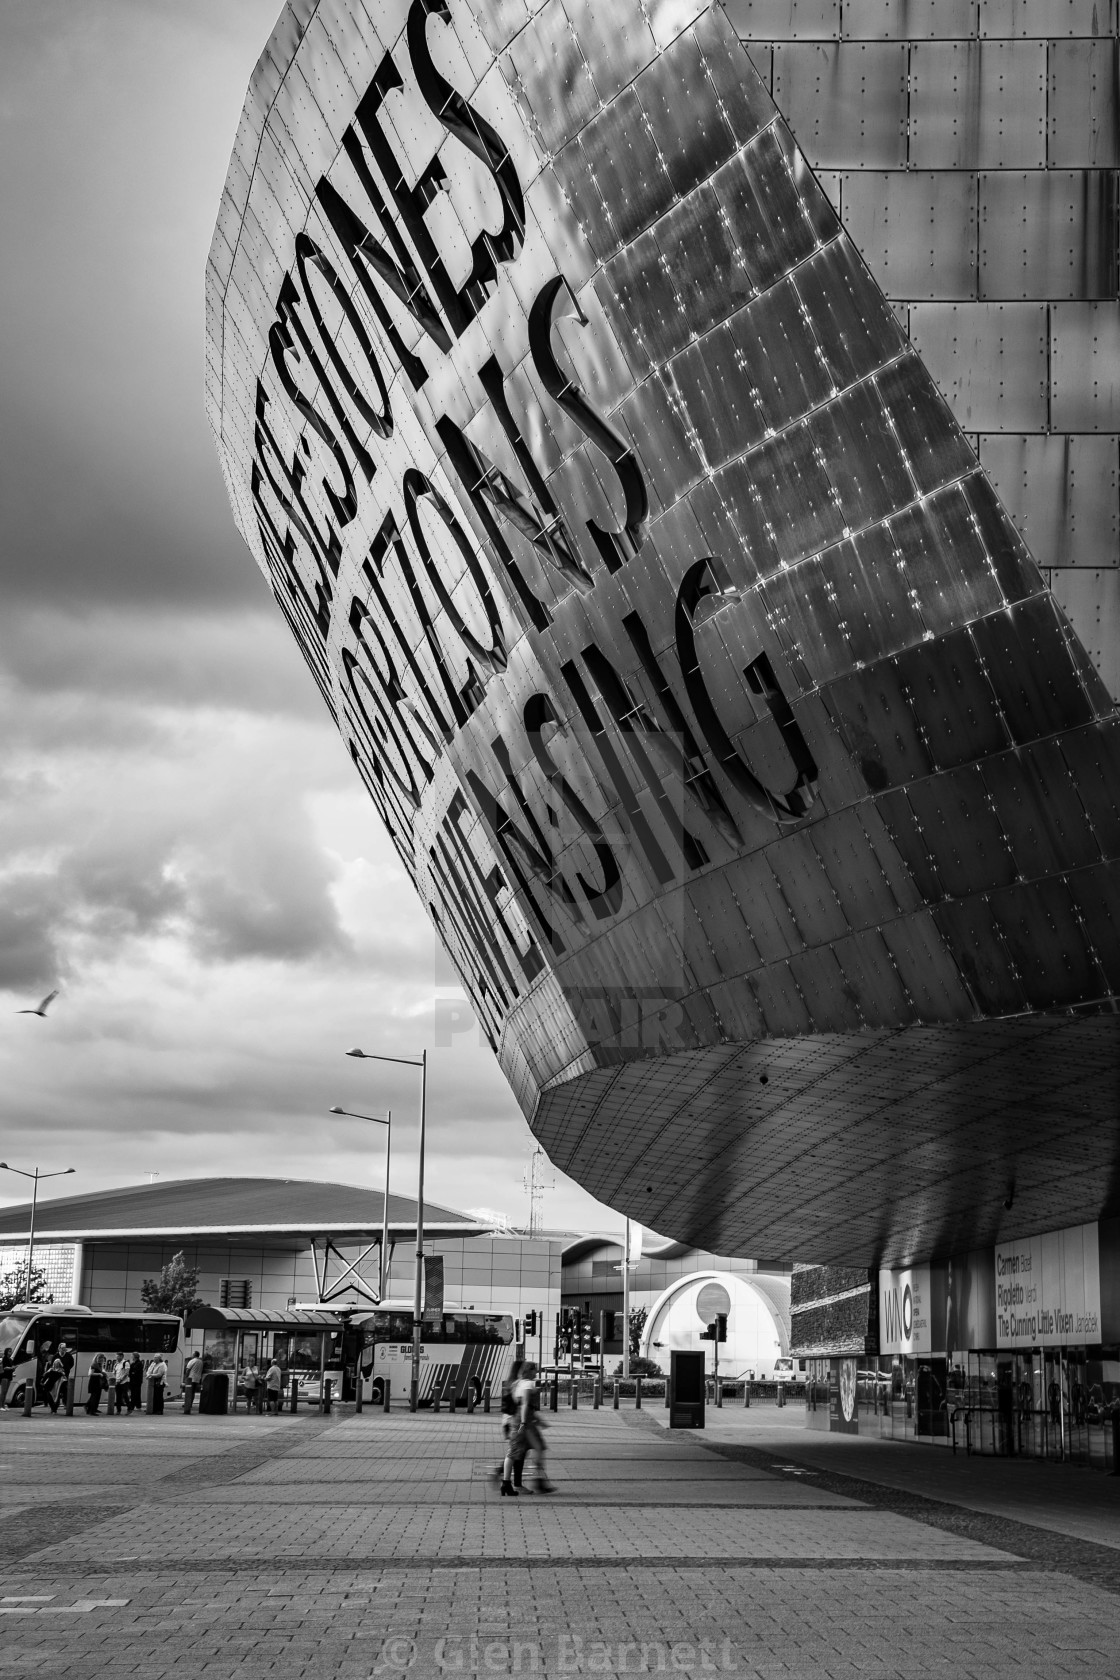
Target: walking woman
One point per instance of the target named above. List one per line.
(527, 1435)
(53, 1382)
(7, 1372)
(96, 1383)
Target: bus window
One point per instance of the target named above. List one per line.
(105, 1335)
(159, 1338)
(303, 1350)
(400, 1327)
(456, 1327)
(11, 1332)
(375, 1329)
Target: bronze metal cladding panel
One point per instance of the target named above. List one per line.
(846, 102)
(916, 230)
(990, 359)
(1062, 492)
(714, 704)
(1085, 347)
(1093, 598)
(978, 104)
(1048, 234)
(1084, 103)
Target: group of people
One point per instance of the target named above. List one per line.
(264, 1386)
(125, 1376)
(523, 1430)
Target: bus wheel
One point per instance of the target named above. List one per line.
(377, 1392)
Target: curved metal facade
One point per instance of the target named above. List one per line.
(752, 774)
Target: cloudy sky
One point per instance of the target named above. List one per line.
(184, 847)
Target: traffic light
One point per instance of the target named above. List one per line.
(721, 1327)
(530, 1325)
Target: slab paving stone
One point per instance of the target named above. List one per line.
(355, 1547)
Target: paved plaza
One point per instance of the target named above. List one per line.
(374, 1545)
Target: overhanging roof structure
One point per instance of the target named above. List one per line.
(650, 558)
(233, 1208)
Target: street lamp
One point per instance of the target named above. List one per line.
(421, 1062)
(35, 1177)
(387, 1122)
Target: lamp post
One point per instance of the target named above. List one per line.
(421, 1062)
(34, 1177)
(376, 1120)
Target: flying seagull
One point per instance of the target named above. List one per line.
(43, 1007)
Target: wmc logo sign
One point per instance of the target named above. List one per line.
(904, 1321)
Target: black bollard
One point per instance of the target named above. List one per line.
(326, 1401)
(638, 1393)
(435, 1397)
(596, 1395)
(385, 1395)
(486, 1398)
(293, 1403)
(574, 1397)
(472, 1397)
(451, 1398)
(358, 1391)
(747, 1393)
(28, 1396)
(616, 1394)
(554, 1394)
(69, 1397)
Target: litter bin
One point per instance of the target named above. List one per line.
(214, 1396)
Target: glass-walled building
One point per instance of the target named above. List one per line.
(1011, 1350)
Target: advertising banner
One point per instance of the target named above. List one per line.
(905, 1311)
(1048, 1289)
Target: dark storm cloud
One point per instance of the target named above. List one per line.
(29, 954)
(111, 488)
(162, 656)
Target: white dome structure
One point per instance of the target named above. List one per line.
(756, 1336)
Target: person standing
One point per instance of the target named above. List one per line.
(53, 1382)
(135, 1382)
(97, 1381)
(157, 1376)
(192, 1382)
(7, 1372)
(120, 1383)
(273, 1385)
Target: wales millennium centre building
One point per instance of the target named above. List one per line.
(683, 440)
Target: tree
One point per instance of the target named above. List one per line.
(174, 1291)
(12, 1288)
(638, 1316)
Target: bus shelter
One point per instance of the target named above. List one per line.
(242, 1342)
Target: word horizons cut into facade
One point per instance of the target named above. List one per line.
(431, 620)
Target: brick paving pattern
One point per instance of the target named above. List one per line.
(245, 1547)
